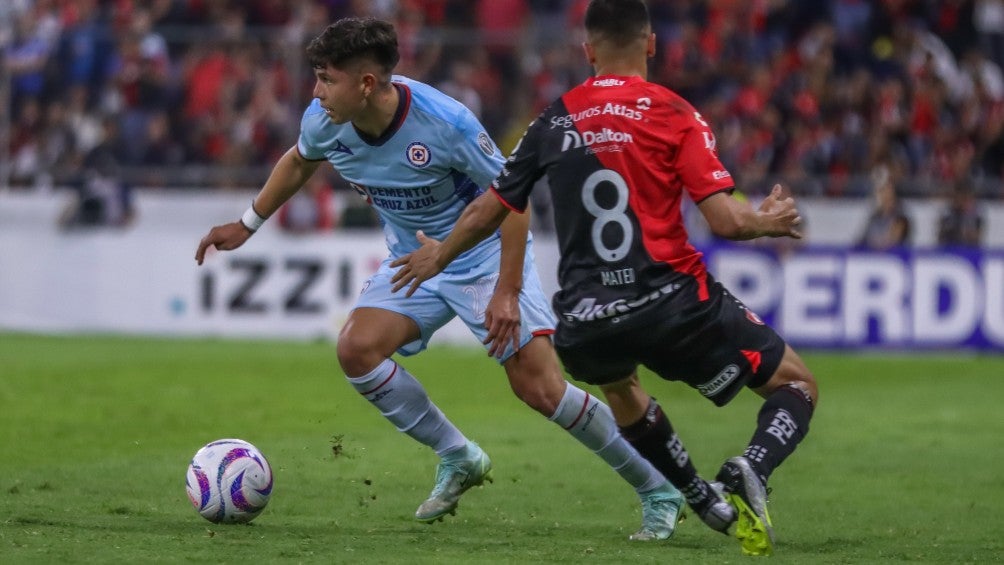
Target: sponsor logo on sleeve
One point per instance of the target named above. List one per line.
(485, 143)
(709, 141)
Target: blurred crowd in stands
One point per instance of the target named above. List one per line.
(831, 97)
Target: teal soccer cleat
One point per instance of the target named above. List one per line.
(456, 474)
(661, 510)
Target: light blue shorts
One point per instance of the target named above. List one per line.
(463, 293)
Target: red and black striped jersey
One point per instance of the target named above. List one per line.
(618, 153)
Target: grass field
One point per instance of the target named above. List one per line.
(904, 463)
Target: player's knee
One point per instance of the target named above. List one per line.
(798, 376)
(356, 354)
(538, 399)
(807, 384)
(795, 373)
(535, 376)
(541, 393)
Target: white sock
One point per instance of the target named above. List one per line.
(402, 400)
(591, 422)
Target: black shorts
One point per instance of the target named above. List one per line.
(716, 346)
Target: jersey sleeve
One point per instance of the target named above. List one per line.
(307, 143)
(697, 160)
(474, 152)
(522, 169)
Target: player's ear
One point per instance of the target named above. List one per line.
(590, 52)
(368, 83)
(651, 45)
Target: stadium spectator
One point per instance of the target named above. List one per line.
(84, 122)
(26, 60)
(460, 86)
(84, 47)
(421, 47)
(160, 150)
(919, 69)
(644, 297)
(961, 223)
(56, 151)
(988, 20)
(888, 225)
(387, 135)
(101, 197)
(25, 160)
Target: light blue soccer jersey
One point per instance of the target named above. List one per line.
(434, 160)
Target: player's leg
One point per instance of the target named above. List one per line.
(610, 361)
(737, 349)
(384, 323)
(790, 397)
(535, 377)
(782, 423)
(644, 424)
(718, 348)
(365, 345)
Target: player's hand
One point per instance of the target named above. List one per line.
(502, 321)
(225, 237)
(781, 214)
(417, 266)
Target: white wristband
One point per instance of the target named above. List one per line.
(251, 219)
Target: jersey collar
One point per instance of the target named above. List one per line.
(403, 104)
(609, 80)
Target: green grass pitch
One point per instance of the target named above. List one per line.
(904, 462)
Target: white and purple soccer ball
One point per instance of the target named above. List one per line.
(229, 480)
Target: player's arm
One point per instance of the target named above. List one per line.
(478, 221)
(290, 173)
(502, 316)
(738, 220)
(708, 183)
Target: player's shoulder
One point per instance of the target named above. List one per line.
(313, 108)
(314, 115)
(667, 99)
(315, 119)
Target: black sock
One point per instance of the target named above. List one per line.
(654, 438)
(781, 424)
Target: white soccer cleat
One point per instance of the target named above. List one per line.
(719, 515)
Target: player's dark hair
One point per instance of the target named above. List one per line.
(618, 21)
(352, 39)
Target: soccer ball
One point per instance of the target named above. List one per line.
(229, 480)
